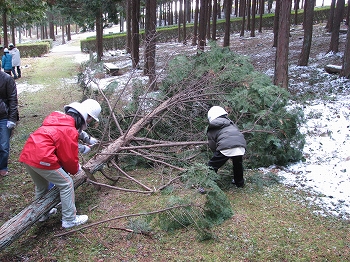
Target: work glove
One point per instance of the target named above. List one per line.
(87, 149)
(92, 141)
(10, 125)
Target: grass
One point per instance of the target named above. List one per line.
(271, 222)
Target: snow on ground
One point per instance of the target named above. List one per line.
(325, 172)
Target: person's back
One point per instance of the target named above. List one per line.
(6, 61)
(16, 61)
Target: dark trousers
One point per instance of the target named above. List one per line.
(218, 160)
(18, 71)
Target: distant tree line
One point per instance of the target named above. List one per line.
(46, 17)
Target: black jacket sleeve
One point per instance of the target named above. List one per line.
(8, 95)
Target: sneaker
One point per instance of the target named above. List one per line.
(79, 220)
(45, 217)
(4, 172)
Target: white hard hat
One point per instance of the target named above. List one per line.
(92, 107)
(6, 50)
(215, 112)
(80, 109)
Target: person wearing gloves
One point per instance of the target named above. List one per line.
(227, 142)
(93, 109)
(51, 153)
(8, 118)
(16, 61)
(6, 61)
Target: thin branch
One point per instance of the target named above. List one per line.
(158, 161)
(124, 216)
(171, 144)
(131, 178)
(120, 188)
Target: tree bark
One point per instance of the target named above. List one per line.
(252, 31)
(228, 10)
(150, 48)
(99, 35)
(202, 24)
(308, 26)
(345, 72)
(243, 17)
(338, 17)
(195, 24)
(281, 61)
(276, 23)
(128, 27)
(329, 25)
(135, 38)
(215, 15)
(261, 9)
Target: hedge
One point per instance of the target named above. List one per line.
(170, 33)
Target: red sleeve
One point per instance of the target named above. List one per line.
(67, 150)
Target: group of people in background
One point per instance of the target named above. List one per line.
(11, 61)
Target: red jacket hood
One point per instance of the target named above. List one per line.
(58, 119)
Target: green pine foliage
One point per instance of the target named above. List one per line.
(260, 109)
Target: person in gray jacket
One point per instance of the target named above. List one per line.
(16, 61)
(227, 142)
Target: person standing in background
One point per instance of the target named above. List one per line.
(6, 61)
(8, 118)
(16, 61)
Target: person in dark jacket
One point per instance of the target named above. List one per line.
(6, 61)
(51, 153)
(227, 142)
(8, 117)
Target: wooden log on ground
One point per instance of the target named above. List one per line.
(19, 224)
(333, 69)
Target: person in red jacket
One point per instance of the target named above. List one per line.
(51, 153)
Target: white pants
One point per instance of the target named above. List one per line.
(62, 180)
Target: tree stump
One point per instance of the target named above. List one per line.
(333, 69)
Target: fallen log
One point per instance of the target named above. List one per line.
(333, 69)
(19, 224)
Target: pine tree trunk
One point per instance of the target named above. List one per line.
(338, 17)
(345, 72)
(202, 24)
(135, 38)
(276, 22)
(228, 10)
(329, 25)
(281, 61)
(195, 24)
(99, 35)
(252, 31)
(308, 26)
(215, 15)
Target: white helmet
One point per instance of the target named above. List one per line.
(215, 112)
(80, 109)
(92, 107)
(6, 50)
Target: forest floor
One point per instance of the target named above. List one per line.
(271, 224)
